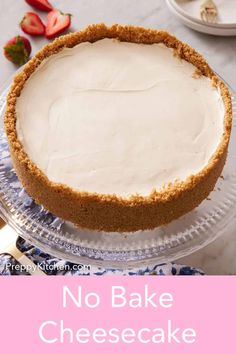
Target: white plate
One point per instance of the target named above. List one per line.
(191, 10)
(200, 26)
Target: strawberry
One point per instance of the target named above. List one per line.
(42, 5)
(18, 50)
(32, 24)
(57, 23)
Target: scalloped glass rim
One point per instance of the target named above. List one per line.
(127, 250)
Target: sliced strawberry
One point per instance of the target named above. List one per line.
(43, 5)
(18, 50)
(57, 23)
(32, 24)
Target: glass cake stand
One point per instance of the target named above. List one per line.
(118, 250)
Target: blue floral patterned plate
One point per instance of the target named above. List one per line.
(50, 265)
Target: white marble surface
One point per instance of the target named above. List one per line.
(220, 256)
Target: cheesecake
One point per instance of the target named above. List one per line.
(118, 128)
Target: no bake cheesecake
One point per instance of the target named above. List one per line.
(118, 128)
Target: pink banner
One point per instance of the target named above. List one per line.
(114, 314)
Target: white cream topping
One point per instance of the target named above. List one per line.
(116, 117)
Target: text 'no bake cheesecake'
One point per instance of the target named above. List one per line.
(118, 129)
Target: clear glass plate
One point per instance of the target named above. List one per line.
(120, 250)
